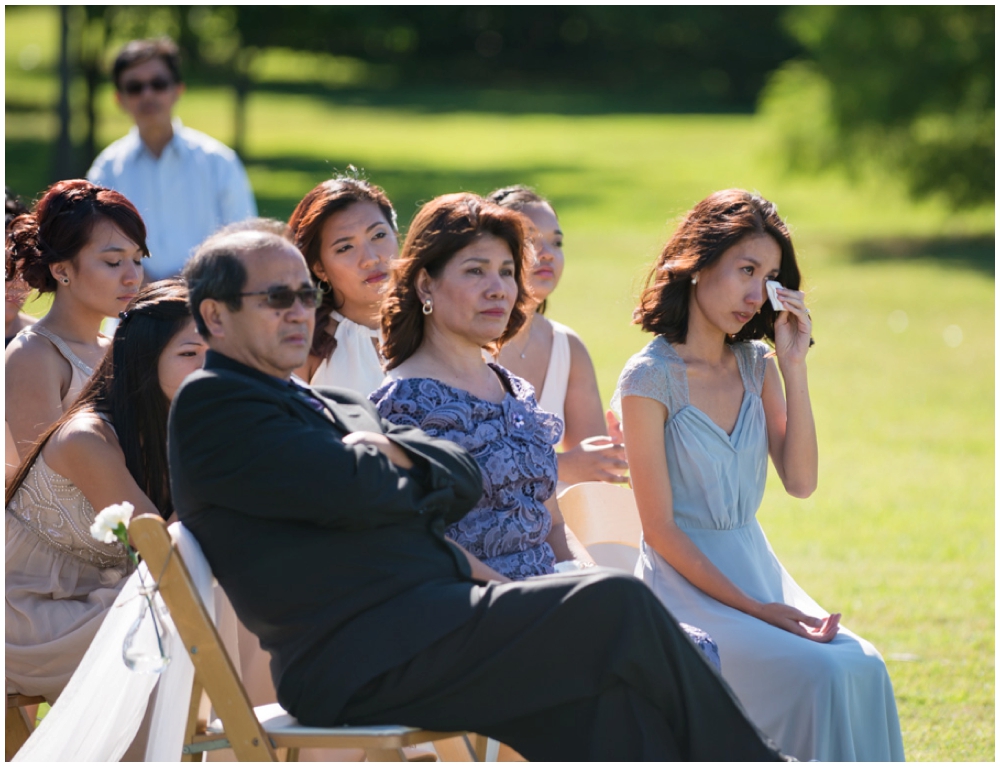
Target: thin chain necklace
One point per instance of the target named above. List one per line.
(524, 349)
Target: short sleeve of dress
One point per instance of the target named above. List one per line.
(653, 373)
(752, 358)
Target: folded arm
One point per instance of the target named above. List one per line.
(243, 447)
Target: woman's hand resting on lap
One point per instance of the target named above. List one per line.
(797, 622)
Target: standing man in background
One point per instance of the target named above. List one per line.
(185, 184)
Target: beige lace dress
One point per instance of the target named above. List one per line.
(81, 374)
(60, 582)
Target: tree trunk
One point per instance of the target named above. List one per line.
(241, 86)
(92, 45)
(63, 165)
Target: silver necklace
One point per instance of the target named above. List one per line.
(524, 349)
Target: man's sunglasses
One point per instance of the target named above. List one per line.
(135, 87)
(283, 298)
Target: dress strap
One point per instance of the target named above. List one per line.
(556, 383)
(751, 360)
(63, 348)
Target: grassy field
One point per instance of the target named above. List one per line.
(900, 534)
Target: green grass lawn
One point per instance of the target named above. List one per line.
(900, 534)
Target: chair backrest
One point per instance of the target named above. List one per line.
(604, 518)
(213, 667)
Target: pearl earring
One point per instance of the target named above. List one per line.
(694, 280)
(428, 307)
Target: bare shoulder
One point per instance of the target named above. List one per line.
(30, 358)
(579, 356)
(32, 349)
(83, 438)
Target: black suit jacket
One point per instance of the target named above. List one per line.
(333, 556)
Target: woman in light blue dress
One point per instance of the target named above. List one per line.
(703, 405)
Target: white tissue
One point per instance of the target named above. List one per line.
(772, 294)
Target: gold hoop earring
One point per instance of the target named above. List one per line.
(428, 307)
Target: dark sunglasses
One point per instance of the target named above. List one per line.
(283, 298)
(135, 87)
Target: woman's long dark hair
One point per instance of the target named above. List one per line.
(305, 229)
(126, 388)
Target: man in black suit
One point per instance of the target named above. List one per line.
(324, 525)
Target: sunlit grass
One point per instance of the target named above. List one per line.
(900, 534)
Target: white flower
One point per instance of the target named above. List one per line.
(108, 520)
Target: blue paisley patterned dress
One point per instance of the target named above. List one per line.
(512, 441)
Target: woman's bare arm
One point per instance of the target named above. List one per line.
(37, 377)
(588, 453)
(791, 429)
(643, 420)
(86, 452)
(564, 543)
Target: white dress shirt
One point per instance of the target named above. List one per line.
(195, 186)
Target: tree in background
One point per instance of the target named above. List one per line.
(908, 88)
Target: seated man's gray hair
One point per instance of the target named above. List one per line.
(215, 270)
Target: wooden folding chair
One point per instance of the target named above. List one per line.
(19, 725)
(605, 519)
(253, 734)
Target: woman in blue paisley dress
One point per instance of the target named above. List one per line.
(703, 405)
(456, 289)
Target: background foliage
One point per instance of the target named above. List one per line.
(911, 88)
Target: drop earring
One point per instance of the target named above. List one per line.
(428, 307)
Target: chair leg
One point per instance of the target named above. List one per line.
(480, 746)
(457, 749)
(385, 755)
(17, 728)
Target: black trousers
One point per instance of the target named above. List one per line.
(585, 666)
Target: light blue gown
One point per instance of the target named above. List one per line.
(831, 702)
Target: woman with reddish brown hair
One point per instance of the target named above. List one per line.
(346, 229)
(84, 244)
(703, 406)
(457, 289)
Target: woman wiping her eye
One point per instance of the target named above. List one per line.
(703, 406)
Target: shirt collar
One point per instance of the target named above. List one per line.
(174, 145)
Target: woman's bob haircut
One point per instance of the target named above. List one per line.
(712, 227)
